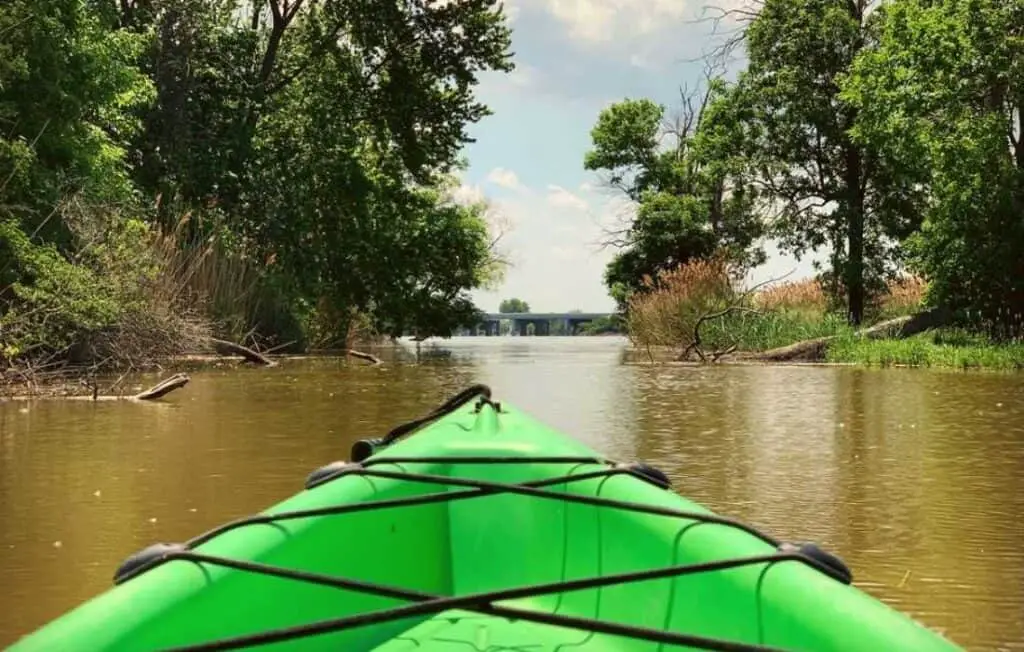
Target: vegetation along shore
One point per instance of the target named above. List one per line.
(194, 176)
(844, 135)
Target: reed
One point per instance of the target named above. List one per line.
(127, 296)
(762, 318)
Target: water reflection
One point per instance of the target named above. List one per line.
(913, 477)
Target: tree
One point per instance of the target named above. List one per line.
(513, 305)
(67, 89)
(942, 96)
(310, 143)
(322, 136)
(223, 66)
(828, 189)
(690, 200)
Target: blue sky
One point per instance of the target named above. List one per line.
(573, 58)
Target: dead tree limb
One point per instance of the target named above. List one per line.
(164, 387)
(695, 343)
(247, 353)
(363, 356)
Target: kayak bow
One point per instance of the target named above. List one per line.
(489, 529)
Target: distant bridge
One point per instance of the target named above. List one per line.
(566, 322)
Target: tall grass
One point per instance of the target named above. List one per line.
(199, 275)
(123, 295)
(667, 312)
(768, 317)
(942, 348)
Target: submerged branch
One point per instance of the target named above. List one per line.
(164, 387)
(247, 353)
(363, 356)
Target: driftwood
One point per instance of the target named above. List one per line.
(247, 353)
(805, 351)
(177, 381)
(363, 356)
(161, 389)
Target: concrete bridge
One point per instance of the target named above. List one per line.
(565, 322)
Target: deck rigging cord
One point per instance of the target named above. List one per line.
(428, 604)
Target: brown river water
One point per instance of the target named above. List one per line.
(914, 477)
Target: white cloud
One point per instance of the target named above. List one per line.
(565, 253)
(556, 262)
(522, 76)
(505, 179)
(559, 197)
(602, 21)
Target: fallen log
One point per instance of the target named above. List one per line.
(804, 351)
(363, 356)
(164, 387)
(814, 350)
(245, 352)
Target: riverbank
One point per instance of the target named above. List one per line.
(699, 314)
(939, 349)
(942, 348)
(91, 381)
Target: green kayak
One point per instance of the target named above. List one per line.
(479, 528)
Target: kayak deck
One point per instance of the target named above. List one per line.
(489, 530)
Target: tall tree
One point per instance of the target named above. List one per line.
(690, 201)
(221, 67)
(826, 188)
(942, 96)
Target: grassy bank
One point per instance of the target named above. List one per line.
(940, 348)
(700, 312)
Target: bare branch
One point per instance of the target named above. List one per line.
(730, 22)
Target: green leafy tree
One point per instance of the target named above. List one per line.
(325, 133)
(313, 141)
(513, 305)
(690, 200)
(796, 130)
(67, 88)
(942, 95)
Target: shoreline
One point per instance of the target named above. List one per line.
(84, 384)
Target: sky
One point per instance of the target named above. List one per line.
(574, 58)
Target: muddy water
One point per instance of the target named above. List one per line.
(915, 478)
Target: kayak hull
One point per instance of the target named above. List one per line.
(436, 516)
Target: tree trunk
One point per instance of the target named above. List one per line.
(854, 277)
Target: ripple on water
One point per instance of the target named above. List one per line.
(915, 479)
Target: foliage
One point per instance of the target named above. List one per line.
(603, 325)
(829, 190)
(689, 203)
(124, 297)
(287, 167)
(513, 305)
(942, 94)
(67, 92)
(890, 133)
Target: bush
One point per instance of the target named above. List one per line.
(668, 308)
(667, 312)
(111, 302)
